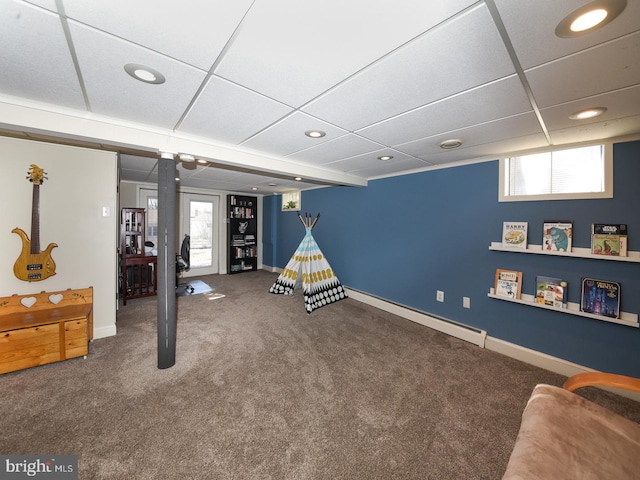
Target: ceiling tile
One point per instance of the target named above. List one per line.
(343, 147)
(620, 104)
(578, 72)
(447, 60)
(137, 176)
(287, 136)
(284, 40)
(498, 99)
(491, 132)
(231, 113)
(369, 164)
(112, 92)
(531, 26)
(133, 162)
(617, 127)
(192, 31)
(35, 58)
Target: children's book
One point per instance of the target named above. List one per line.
(551, 291)
(600, 297)
(514, 235)
(557, 235)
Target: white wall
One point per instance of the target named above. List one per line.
(80, 183)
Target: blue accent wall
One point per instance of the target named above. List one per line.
(403, 238)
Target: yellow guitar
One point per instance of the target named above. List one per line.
(33, 265)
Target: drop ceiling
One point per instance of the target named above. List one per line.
(246, 79)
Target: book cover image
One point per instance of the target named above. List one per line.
(608, 244)
(600, 297)
(508, 283)
(551, 291)
(514, 235)
(557, 236)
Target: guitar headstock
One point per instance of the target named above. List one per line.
(36, 174)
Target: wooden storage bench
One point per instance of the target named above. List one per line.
(45, 327)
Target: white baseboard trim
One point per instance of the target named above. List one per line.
(533, 357)
(548, 362)
(463, 332)
(271, 269)
(104, 332)
(481, 339)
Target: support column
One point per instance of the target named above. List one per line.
(167, 317)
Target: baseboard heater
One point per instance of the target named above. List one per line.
(444, 325)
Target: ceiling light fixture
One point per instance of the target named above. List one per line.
(588, 113)
(144, 74)
(298, 179)
(590, 17)
(315, 133)
(451, 143)
(384, 158)
(254, 188)
(185, 157)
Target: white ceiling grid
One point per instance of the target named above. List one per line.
(249, 77)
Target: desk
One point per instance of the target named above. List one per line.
(139, 276)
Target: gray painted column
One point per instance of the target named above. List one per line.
(167, 317)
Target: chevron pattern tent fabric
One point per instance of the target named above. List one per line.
(310, 267)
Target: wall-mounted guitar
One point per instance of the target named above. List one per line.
(33, 265)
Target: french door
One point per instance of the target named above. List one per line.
(197, 217)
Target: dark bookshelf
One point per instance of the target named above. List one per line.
(242, 233)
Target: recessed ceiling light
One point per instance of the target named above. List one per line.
(315, 133)
(451, 143)
(385, 157)
(589, 113)
(590, 17)
(298, 179)
(185, 157)
(254, 188)
(144, 73)
(273, 184)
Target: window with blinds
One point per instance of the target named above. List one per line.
(584, 172)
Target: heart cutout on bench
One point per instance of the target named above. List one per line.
(28, 301)
(55, 298)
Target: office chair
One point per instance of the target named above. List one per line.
(183, 263)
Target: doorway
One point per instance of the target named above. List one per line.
(197, 217)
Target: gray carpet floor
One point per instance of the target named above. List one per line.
(262, 390)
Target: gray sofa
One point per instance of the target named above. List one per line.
(564, 436)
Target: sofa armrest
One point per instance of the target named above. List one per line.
(602, 380)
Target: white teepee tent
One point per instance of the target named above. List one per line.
(310, 267)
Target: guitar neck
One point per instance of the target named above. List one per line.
(35, 220)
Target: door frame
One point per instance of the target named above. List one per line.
(219, 225)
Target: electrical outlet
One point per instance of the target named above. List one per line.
(440, 296)
(466, 302)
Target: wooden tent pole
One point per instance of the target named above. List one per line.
(314, 222)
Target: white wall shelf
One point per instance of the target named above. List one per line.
(628, 319)
(576, 252)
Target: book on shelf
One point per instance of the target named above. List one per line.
(609, 228)
(508, 283)
(551, 291)
(557, 235)
(609, 239)
(514, 235)
(609, 244)
(600, 297)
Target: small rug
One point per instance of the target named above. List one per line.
(198, 287)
